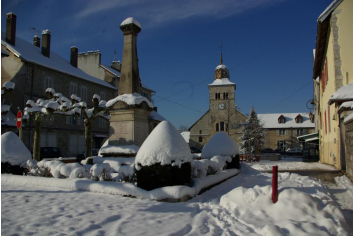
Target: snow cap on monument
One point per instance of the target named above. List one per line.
(131, 20)
(165, 145)
(13, 150)
(220, 145)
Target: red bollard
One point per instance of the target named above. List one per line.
(275, 184)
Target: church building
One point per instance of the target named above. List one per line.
(222, 115)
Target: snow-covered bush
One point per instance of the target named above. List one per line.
(204, 167)
(56, 169)
(126, 174)
(101, 172)
(164, 159)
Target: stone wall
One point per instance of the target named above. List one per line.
(290, 136)
(349, 148)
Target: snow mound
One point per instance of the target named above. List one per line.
(220, 145)
(129, 99)
(13, 150)
(165, 145)
(295, 212)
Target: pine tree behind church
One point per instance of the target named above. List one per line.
(253, 132)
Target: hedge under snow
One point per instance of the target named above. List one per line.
(220, 145)
(165, 145)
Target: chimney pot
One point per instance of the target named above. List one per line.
(46, 43)
(36, 41)
(74, 56)
(11, 28)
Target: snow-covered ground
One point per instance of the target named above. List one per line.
(290, 163)
(239, 206)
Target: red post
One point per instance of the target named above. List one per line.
(275, 184)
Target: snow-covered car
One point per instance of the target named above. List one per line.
(294, 151)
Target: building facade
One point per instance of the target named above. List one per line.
(222, 115)
(282, 129)
(332, 70)
(33, 68)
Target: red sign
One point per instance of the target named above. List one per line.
(19, 120)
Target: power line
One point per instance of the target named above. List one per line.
(289, 96)
(179, 104)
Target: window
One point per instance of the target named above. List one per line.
(217, 127)
(102, 96)
(325, 121)
(49, 82)
(281, 145)
(221, 126)
(200, 132)
(144, 94)
(218, 95)
(299, 119)
(299, 131)
(83, 93)
(281, 119)
(200, 139)
(102, 122)
(281, 132)
(227, 95)
(72, 120)
(329, 118)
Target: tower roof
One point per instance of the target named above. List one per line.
(221, 71)
(131, 20)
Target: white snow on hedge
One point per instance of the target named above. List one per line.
(125, 149)
(131, 20)
(295, 212)
(344, 93)
(124, 189)
(129, 99)
(220, 145)
(186, 136)
(98, 169)
(8, 85)
(120, 160)
(223, 81)
(13, 150)
(164, 145)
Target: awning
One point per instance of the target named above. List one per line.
(309, 137)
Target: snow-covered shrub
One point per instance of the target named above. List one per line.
(164, 159)
(221, 161)
(14, 154)
(101, 172)
(204, 167)
(67, 169)
(79, 173)
(126, 174)
(220, 145)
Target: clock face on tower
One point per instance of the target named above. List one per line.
(221, 106)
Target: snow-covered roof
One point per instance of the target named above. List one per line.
(223, 81)
(157, 116)
(131, 20)
(28, 52)
(129, 99)
(13, 150)
(220, 145)
(346, 106)
(111, 70)
(221, 66)
(348, 118)
(164, 145)
(271, 120)
(344, 93)
(329, 10)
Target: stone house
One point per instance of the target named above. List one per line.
(332, 74)
(33, 69)
(222, 115)
(282, 129)
(90, 63)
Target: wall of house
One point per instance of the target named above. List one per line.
(349, 148)
(273, 136)
(339, 62)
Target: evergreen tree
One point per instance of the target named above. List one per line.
(253, 132)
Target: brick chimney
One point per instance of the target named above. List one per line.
(11, 28)
(46, 43)
(36, 41)
(116, 65)
(74, 56)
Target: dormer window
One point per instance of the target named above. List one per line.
(281, 119)
(299, 119)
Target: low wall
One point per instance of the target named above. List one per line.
(270, 157)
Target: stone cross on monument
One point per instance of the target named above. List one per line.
(129, 111)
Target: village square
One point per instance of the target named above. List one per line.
(184, 122)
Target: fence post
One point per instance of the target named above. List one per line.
(275, 184)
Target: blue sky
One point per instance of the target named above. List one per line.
(267, 45)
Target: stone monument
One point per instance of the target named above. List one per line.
(129, 111)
